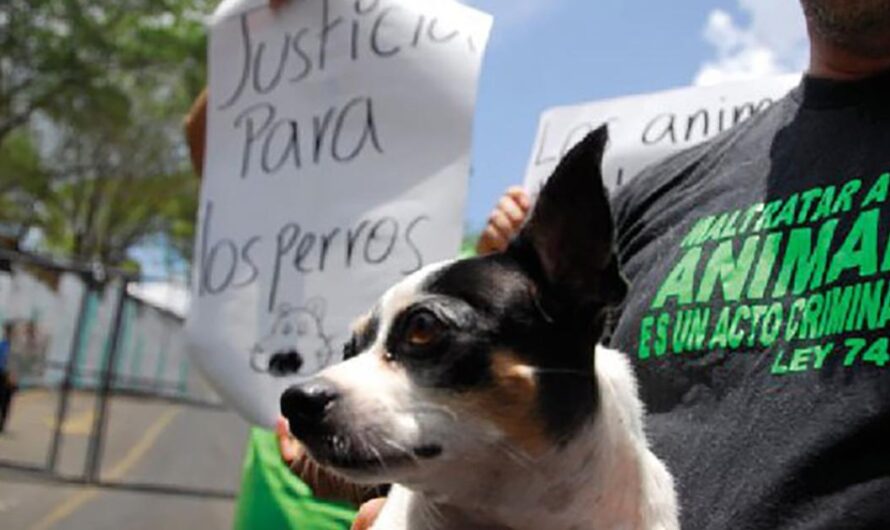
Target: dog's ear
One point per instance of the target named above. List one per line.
(568, 240)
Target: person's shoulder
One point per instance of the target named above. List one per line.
(658, 179)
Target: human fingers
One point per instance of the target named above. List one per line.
(514, 212)
(491, 240)
(505, 220)
(520, 197)
(287, 445)
(503, 224)
(367, 514)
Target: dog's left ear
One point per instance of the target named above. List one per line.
(568, 240)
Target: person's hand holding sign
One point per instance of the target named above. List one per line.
(503, 223)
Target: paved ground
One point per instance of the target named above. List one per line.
(149, 442)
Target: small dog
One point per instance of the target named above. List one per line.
(476, 387)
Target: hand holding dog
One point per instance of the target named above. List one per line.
(288, 446)
(368, 513)
(324, 484)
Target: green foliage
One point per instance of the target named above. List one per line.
(22, 179)
(100, 219)
(468, 245)
(64, 57)
(92, 95)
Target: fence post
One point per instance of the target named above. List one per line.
(97, 432)
(52, 456)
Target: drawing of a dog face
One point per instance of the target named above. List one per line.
(469, 362)
(296, 336)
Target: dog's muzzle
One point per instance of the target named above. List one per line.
(311, 410)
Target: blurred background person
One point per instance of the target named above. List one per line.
(8, 386)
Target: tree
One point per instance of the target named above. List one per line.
(92, 94)
(60, 56)
(22, 179)
(119, 179)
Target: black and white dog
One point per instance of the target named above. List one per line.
(476, 387)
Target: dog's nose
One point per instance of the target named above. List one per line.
(305, 406)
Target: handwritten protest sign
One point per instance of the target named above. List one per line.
(646, 128)
(338, 156)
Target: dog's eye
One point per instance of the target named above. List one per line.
(422, 329)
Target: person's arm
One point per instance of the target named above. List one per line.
(195, 125)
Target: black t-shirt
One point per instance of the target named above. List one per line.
(759, 313)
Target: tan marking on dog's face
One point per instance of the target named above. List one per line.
(360, 325)
(510, 403)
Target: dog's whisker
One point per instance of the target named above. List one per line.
(378, 456)
(520, 459)
(430, 408)
(400, 448)
(368, 440)
(434, 515)
(558, 371)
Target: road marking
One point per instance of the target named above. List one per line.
(136, 453)
(141, 448)
(25, 397)
(78, 425)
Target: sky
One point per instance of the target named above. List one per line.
(545, 53)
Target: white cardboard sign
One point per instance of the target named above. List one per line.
(337, 163)
(646, 128)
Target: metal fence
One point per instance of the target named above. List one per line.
(76, 335)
